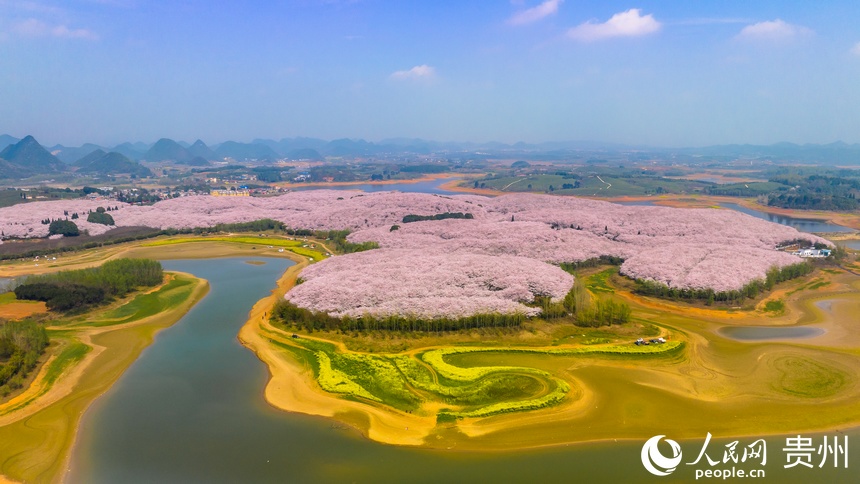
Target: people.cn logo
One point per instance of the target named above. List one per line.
(655, 462)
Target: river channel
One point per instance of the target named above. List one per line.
(191, 410)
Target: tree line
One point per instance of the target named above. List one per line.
(439, 216)
(289, 314)
(21, 344)
(586, 309)
(343, 246)
(78, 289)
(774, 276)
(578, 303)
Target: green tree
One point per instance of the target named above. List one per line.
(65, 228)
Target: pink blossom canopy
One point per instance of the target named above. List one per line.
(683, 248)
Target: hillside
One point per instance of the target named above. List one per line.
(200, 149)
(26, 158)
(167, 150)
(245, 151)
(133, 151)
(68, 154)
(6, 140)
(90, 157)
(112, 164)
(305, 154)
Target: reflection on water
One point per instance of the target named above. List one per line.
(759, 333)
(637, 203)
(801, 224)
(191, 410)
(851, 244)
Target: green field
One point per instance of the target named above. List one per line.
(294, 246)
(593, 185)
(141, 306)
(34, 441)
(409, 382)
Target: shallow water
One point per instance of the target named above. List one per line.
(759, 333)
(191, 410)
(801, 224)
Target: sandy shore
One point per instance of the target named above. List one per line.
(293, 388)
(704, 382)
(31, 453)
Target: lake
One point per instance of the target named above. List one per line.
(761, 333)
(801, 224)
(191, 410)
(851, 244)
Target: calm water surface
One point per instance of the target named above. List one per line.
(801, 224)
(758, 333)
(191, 410)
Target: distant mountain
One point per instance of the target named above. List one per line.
(348, 147)
(8, 170)
(197, 161)
(133, 151)
(412, 145)
(305, 154)
(286, 145)
(113, 163)
(246, 151)
(6, 140)
(167, 150)
(90, 157)
(200, 149)
(68, 154)
(274, 145)
(27, 157)
(833, 153)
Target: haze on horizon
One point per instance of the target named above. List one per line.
(646, 73)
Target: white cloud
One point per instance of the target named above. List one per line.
(418, 72)
(773, 30)
(534, 14)
(856, 49)
(36, 28)
(625, 24)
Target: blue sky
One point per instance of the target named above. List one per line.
(658, 73)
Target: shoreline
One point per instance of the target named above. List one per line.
(113, 349)
(291, 388)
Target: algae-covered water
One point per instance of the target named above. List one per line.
(191, 410)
